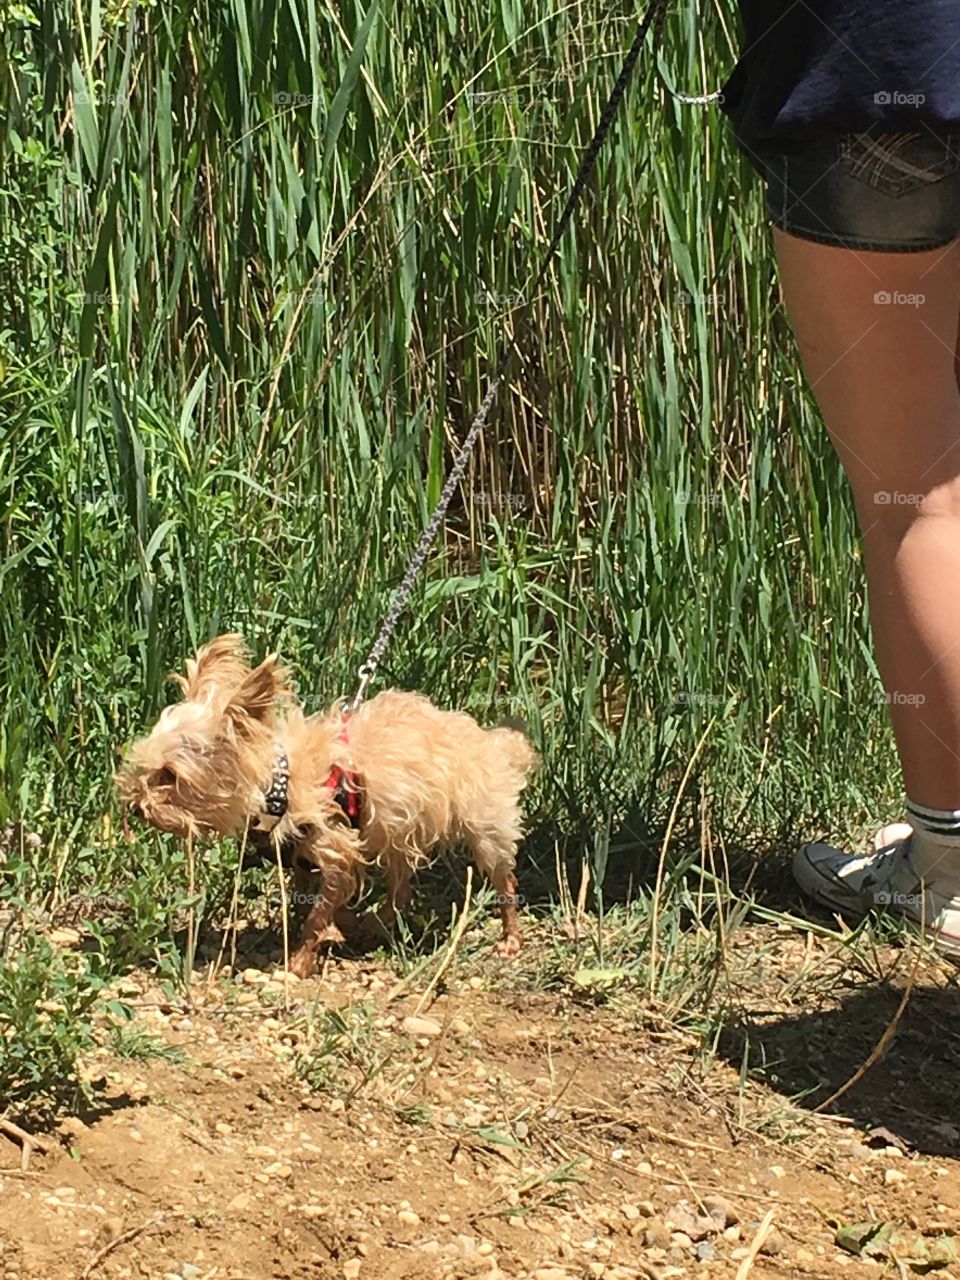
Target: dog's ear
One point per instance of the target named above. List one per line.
(256, 697)
(220, 665)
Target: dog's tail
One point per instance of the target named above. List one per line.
(511, 737)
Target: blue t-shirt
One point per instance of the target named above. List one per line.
(814, 66)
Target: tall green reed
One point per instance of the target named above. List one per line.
(271, 253)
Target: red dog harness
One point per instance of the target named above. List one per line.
(345, 785)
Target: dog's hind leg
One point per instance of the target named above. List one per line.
(374, 928)
(496, 857)
(397, 873)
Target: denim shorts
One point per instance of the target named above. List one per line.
(893, 192)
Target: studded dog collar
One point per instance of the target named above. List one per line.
(276, 799)
(344, 784)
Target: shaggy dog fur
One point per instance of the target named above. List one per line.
(426, 778)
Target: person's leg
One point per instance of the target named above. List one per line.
(885, 377)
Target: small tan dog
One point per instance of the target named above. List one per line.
(397, 780)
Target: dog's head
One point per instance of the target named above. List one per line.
(203, 765)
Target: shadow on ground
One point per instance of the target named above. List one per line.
(910, 1091)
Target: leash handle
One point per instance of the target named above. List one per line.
(655, 12)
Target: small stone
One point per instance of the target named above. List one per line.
(777, 1171)
(312, 1210)
(240, 1202)
(891, 1177)
(773, 1244)
(550, 1273)
(416, 1026)
(254, 977)
(681, 1240)
(720, 1209)
(543, 1085)
(645, 1167)
(656, 1234)
(408, 1217)
(732, 1234)
(443, 1218)
(111, 1227)
(351, 1269)
(630, 1212)
(65, 1193)
(223, 1128)
(706, 1252)
(804, 1255)
(684, 1219)
(283, 1171)
(459, 1027)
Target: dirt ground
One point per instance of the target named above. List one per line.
(333, 1129)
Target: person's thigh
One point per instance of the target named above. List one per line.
(877, 333)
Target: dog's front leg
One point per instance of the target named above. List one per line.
(326, 893)
(319, 928)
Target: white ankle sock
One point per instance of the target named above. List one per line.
(935, 847)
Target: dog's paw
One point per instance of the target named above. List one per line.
(509, 946)
(331, 936)
(302, 963)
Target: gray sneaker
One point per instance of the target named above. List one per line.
(883, 880)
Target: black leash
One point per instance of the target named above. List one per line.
(655, 13)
